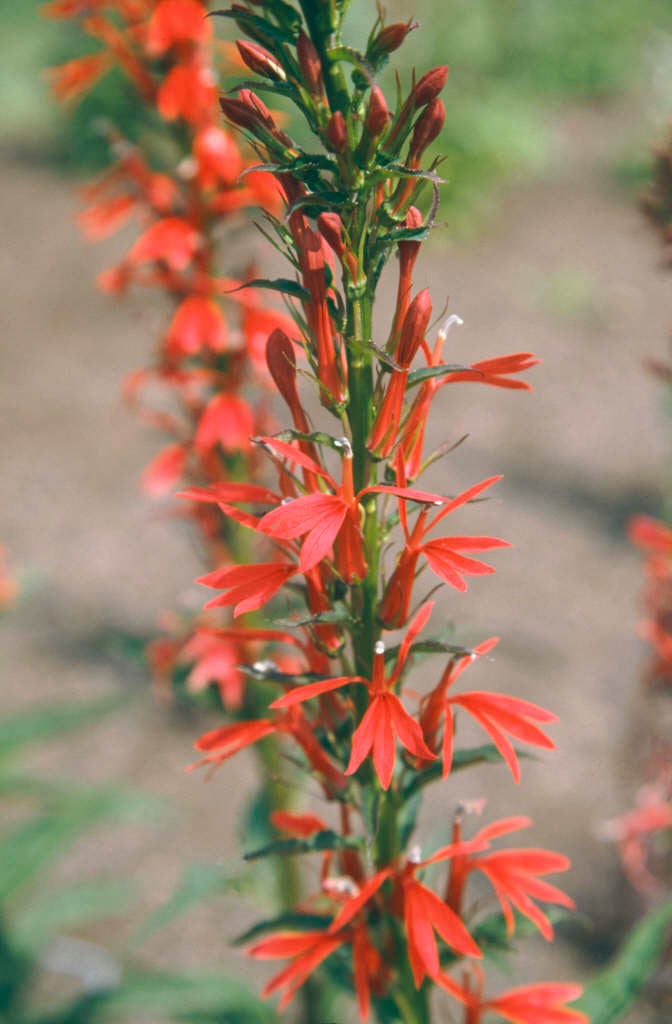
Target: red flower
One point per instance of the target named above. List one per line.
(249, 586)
(385, 718)
(188, 91)
(171, 240)
(512, 874)
(198, 323)
(326, 519)
(443, 554)
(164, 471)
(541, 1003)
(77, 76)
(218, 157)
(496, 713)
(175, 22)
(227, 421)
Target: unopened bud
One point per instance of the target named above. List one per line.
(377, 115)
(260, 61)
(337, 133)
(331, 228)
(310, 65)
(251, 100)
(389, 39)
(427, 128)
(429, 86)
(414, 328)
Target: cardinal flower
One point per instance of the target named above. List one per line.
(327, 519)
(513, 874)
(385, 719)
(444, 555)
(496, 713)
(542, 1003)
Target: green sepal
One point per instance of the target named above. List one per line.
(321, 841)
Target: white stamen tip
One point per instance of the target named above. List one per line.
(437, 503)
(262, 667)
(379, 647)
(414, 855)
(450, 322)
(343, 885)
(343, 442)
(287, 501)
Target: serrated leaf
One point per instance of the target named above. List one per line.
(68, 907)
(46, 723)
(317, 437)
(430, 372)
(266, 670)
(336, 616)
(401, 171)
(615, 990)
(199, 882)
(326, 200)
(432, 646)
(291, 920)
(319, 842)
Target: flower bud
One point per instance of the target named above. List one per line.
(428, 87)
(337, 134)
(390, 39)
(377, 115)
(310, 65)
(260, 61)
(331, 229)
(414, 328)
(427, 128)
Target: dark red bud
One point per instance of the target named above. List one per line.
(260, 60)
(281, 363)
(427, 127)
(429, 86)
(310, 65)
(377, 114)
(337, 133)
(251, 100)
(331, 229)
(239, 113)
(390, 39)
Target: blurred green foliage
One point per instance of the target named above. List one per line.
(512, 62)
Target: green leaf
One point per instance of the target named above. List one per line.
(284, 285)
(325, 840)
(335, 616)
(615, 990)
(68, 907)
(486, 754)
(46, 723)
(428, 372)
(29, 848)
(292, 920)
(150, 996)
(257, 26)
(200, 882)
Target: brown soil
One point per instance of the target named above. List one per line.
(567, 270)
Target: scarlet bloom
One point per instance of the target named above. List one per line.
(248, 586)
(385, 718)
(541, 1003)
(170, 240)
(175, 22)
(198, 323)
(328, 519)
(187, 92)
(513, 874)
(496, 713)
(227, 421)
(105, 217)
(218, 157)
(163, 472)
(75, 77)
(444, 555)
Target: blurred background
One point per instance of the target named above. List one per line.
(553, 106)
